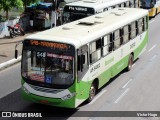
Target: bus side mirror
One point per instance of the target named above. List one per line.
(16, 54)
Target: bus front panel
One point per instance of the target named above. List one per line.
(48, 73)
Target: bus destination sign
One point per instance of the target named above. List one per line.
(49, 44)
(79, 9)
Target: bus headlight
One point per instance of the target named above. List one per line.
(66, 97)
(25, 90)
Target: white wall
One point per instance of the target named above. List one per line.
(4, 29)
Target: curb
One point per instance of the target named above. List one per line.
(9, 63)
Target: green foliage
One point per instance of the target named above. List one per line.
(3, 19)
(7, 5)
(0, 4)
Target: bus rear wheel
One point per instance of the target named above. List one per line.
(92, 92)
(130, 62)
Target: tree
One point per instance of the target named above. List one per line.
(0, 4)
(7, 5)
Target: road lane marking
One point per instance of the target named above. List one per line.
(152, 48)
(151, 21)
(120, 97)
(153, 57)
(127, 83)
(98, 96)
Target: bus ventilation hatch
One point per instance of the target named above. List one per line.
(118, 13)
(89, 23)
(67, 27)
(90, 1)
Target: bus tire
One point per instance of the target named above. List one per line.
(92, 92)
(130, 62)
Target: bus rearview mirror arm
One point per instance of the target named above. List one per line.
(16, 51)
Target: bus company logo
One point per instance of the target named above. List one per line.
(6, 114)
(17, 114)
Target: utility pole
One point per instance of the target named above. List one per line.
(54, 14)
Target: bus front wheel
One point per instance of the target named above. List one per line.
(130, 62)
(92, 92)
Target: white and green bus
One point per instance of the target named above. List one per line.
(66, 65)
(84, 8)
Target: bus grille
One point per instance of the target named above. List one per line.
(48, 90)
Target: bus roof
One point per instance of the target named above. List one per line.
(97, 4)
(85, 30)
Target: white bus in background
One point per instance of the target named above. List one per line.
(80, 9)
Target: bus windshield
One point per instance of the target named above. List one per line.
(71, 16)
(49, 65)
(72, 13)
(147, 3)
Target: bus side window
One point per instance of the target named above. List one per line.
(117, 6)
(140, 26)
(133, 30)
(105, 9)
(125, 34)
(107, 44)
(131, 4)
(95, 50)
(121, 36)
(145, 23)
(136, 3)
(127, 4)
(116, 39)
(122, 5)
(136, 27)
(109, 8)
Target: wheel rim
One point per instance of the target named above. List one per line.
(92, 92)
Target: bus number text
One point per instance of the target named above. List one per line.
(132, 45)
(94, 68)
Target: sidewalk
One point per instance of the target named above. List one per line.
(7, 50)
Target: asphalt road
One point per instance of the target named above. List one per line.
(136, 90)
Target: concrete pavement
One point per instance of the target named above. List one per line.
(7, 50)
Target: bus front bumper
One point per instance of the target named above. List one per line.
(59, 102)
